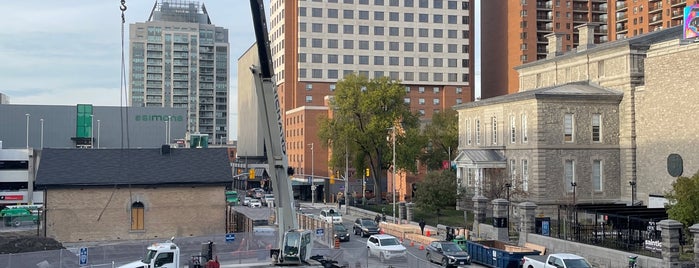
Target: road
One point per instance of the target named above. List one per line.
(356, 247)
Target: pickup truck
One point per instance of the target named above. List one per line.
(558, 260)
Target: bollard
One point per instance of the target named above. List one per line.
(337, 242)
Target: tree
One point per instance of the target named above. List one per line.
(363, 110)
(684, 200)
(443, 136)
(438, 190)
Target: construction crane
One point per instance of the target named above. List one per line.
(295, 244)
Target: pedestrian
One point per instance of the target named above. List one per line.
(422, 226)
(377, 219)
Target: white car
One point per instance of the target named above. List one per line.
(268, 199)
(255, 203)
(246, 201)
(330, 216)
(386, 247)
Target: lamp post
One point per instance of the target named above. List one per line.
(98, 133)
(633, 191)
(92, 131)
(169, 129)
(507, 190)
(313, 183)
(27, 115)
(393, 180)
(575, 208)
(42, 132)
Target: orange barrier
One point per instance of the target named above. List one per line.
(412, 243)
(337, 243)
(427, 233)
(422, 247)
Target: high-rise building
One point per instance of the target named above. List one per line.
(513, 33)
(178, 58)
(427, 45)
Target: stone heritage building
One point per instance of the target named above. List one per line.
(605, 116)
(127, 194)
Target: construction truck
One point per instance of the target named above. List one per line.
(167, 255)
(295, 244)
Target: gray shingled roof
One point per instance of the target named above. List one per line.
(480, 156)
(581, 90)
(93, 167)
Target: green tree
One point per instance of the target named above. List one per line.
(438, 190)
(363, 110)
(684, 200)
(442, 135)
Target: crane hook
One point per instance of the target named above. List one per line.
(123, 5)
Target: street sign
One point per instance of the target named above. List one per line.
(230, 237)
(310, 181)
(83, 256)
(342, 187)
(320, 231)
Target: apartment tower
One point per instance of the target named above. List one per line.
(425, 44)
(513, 33)
(178, 58)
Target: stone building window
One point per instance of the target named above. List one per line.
(525, 138)
(569, 173)
(468, 132)
(525, 175)
(597, 175)
(596, 127)
(478, 131)
(137, 216)
(495, 130)
(568, 128)
(513, 133)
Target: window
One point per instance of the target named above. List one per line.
(393, 61)
(309, 86)
(348, 29)
(597, 175)
(363, 30)
(393, 46)
(495, 130)
(408, 61)
(378, 60)
(569, 173)
(332, 28)
(363, 15)
(421, 112)
(317, 42)
(421, 89)
(317, 12)
(421, 101)
(333, 86)
(378, 30)
(309, 98)
(468, 132)
(364, 60)
(435, 90)
(137, 216)
(332, 58)
(513, 172)
(423, 17)
(408, 46)
(408, 32)
(364, 45)
(164, 258)
(378, 15)
(393, 31)
(407, 89)
(406, 100)
(393, 16)
(435, 101)
(332, 43)
(596, 127)
(378, 45)
(332, 13)
(348, 14)
(525, 175)
(408, 17)
(525, 138)
(348, 59)
(478, 131)
(568, 128)
(348, 44)
(513, 132)
(317, 58)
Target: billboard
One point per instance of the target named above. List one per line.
(691, 22)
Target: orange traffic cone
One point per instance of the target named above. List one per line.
(412, 244)
(427, 233)
(422, 247)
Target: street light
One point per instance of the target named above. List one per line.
(42, 132)
(92, 131)
(575, 208)
(313, 185)
(507, 188)
(393, 180)
(98, 133)
(27, 115)
(633, 191)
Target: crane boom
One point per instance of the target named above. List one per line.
(294, 244)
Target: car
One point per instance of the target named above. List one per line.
(246, 201)
(385, 247)
(447, 253)
(365, 227)
(255, 203)
(341, 232)
(268, 199)
(330, 216)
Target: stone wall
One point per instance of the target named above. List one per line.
(104, 214)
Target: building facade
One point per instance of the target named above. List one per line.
(179, 59)
(528, 21)
(427, 45)
(635, 121)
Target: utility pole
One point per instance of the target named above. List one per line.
(98, 133)
(346, 178)
(393, 138)
(27, 115)
(313, 183)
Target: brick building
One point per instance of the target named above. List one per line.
(126, 194)
(605, 116)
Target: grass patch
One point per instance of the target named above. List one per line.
(448, 216)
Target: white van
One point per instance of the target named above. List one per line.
(331, 215)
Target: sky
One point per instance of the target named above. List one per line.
(69, 52)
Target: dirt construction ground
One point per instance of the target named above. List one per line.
(26, 241)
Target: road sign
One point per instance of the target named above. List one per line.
(83, 256)
(310, 181)
(320, 231)
(230, 237)
(342, 187)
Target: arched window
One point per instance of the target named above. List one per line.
(137, 215)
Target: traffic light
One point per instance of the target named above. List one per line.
(252, 173)
(367, 172)
(290, 171)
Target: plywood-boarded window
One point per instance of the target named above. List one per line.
(137, 216)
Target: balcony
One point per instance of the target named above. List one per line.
(622, 28)
(580, 8)
(599, 8)
(677, 13)
(599, 18)
(601, 30)
(621, 5)
(579, 18)
(548, 27)
(621, 16)
(655, 19)
(542, 40)
(655, 7)
(544, 16)
(544, 5)
(678, 3)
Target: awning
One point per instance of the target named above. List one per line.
(480, 158)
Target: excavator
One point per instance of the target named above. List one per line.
(295, 244)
